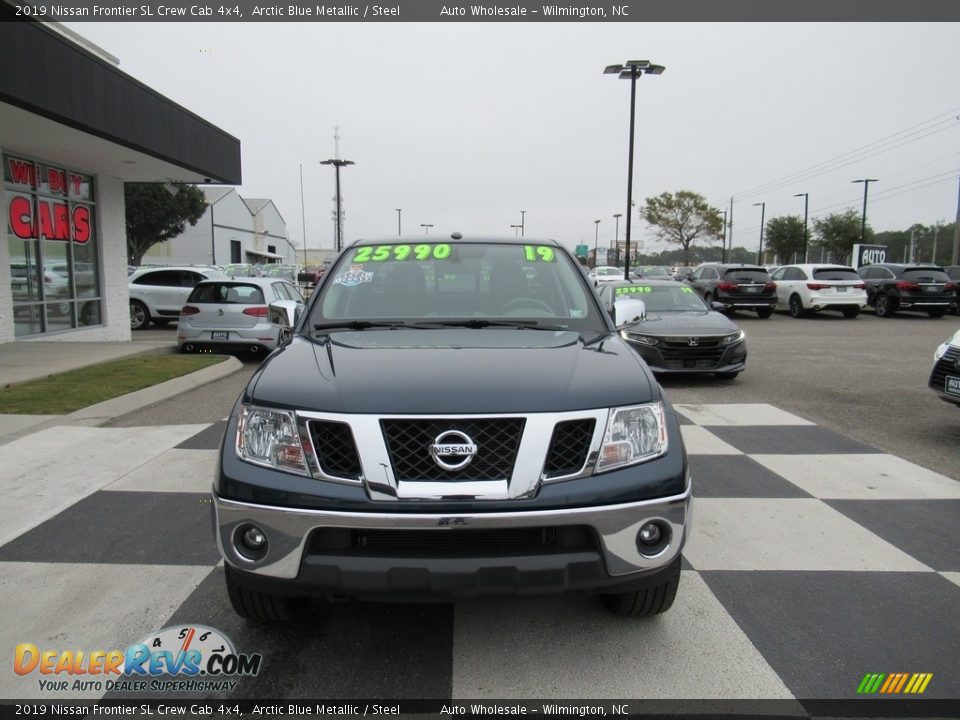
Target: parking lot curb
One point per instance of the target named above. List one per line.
(103, 412)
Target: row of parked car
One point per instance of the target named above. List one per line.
(807, 288)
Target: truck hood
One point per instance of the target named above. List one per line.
(452, 371)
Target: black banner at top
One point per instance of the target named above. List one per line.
(614, 11)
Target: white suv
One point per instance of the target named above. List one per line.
(158, 293)
(813, 287)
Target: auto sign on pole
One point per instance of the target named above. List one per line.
(868, 254)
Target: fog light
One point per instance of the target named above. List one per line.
(649, 534)
(250, 543)
(254, 539)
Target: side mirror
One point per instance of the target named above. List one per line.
(285, 313)
(628, 311)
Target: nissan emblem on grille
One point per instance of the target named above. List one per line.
(453, 444)
(693, 342)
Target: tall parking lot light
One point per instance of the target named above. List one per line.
(806, 207)
(631, 70)
(596, 238)
(763, 210)
(863, 222)
(337, 164)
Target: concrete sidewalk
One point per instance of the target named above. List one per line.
(23, 361)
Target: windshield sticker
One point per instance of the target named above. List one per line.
(533, 253)
(399, 253)
(686, 290)
(633, 289)
(578, 314)
(356, 275)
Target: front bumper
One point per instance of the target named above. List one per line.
(732, 358)
(294, 564)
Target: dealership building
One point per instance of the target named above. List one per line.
(73, 129)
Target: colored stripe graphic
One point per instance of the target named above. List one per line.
(894, 683)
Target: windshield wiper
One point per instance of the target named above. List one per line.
(360, 325)
(481, 323)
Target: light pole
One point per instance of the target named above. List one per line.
(631, 70)
(398, 221)
(337, 164)
(426, 228)
(596, 238)
(763, 210)
(723, 245)
(616, 232)
(523, 221)
(806, 207)
(516, 230)
(863, 222)
(303, 217)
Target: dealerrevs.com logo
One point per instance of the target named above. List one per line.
(181, 658)
(894, 683)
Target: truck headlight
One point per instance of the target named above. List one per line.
(634, 434)
(270, 437)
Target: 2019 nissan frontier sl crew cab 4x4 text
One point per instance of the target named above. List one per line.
(452, 418)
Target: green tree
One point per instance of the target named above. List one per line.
(682, 218)
(784, 237)
(837, 233)
(158, 212)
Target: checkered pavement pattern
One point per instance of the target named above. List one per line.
(814, 560)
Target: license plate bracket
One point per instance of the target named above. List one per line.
(951, 385)
(219, 335)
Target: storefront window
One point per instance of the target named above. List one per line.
(54, 252)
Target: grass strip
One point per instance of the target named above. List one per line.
(69, 391)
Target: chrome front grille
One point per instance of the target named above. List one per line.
(408, 444)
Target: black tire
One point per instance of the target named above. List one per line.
(256, 606)
(937, 313)
(851, 312)
(764, 313)
(796, 307)
(884, 306)
(139, 315)
(727, 375)
(652, 600)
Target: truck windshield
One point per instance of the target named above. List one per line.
(439, 281)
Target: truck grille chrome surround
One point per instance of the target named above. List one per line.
(515, 453)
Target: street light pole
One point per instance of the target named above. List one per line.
(398, 221)
(337, 164)
(426, 228)
(303, 217)
(631, 70)
(723, 250)
(763, 210)
(863, 222)
(806, 207)
(523, 221)
(516, 229)
(596, 237)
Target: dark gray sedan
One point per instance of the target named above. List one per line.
(680, 332)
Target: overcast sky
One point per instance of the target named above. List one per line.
(463, 125)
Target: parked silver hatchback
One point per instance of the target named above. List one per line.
(234, 314)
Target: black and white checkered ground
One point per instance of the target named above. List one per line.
(814, 560)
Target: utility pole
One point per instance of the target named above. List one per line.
(936, 232)
(913, 243)
(303, 217)
(723, 252)
(730, 227)
(956, 231)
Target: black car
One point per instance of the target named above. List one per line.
(680, 333)
(945, 375)
(894, 286)
(452, 417)
(953, 272)
(736, 287)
